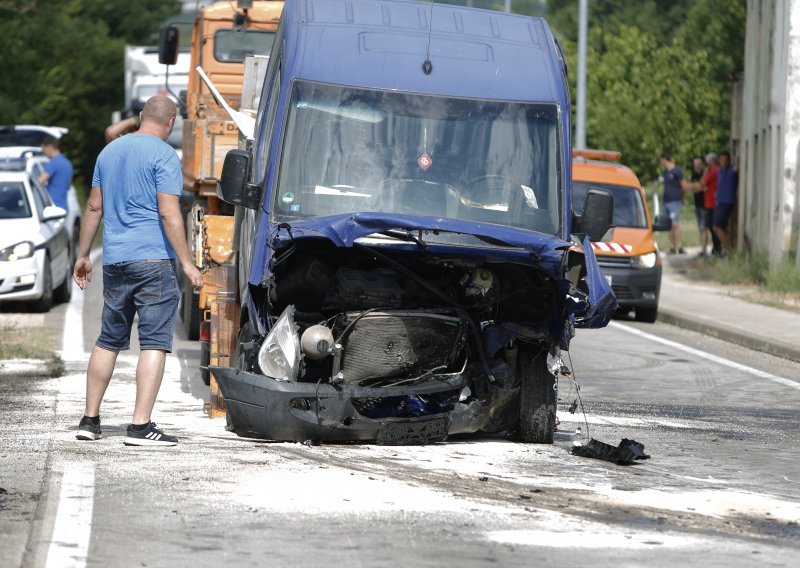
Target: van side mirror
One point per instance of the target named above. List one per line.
(598, 214)
(168, 39)
(233, 187)
(662, 223)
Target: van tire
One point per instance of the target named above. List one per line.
(537, 398)
(647, 315)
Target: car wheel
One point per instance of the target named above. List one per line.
(537, 398)
(647, 315)
(44, 303)
(190, 314)
(63, 293)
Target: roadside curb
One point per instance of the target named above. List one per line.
(729, 334)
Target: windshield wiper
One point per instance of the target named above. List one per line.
(405, 236)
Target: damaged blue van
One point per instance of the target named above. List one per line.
(410, 264)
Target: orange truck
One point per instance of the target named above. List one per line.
(224, 34)
(630, 261)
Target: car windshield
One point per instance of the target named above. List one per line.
(352, 150)
(13, 201)
(628, 205)
(232, 46)
(21, 138)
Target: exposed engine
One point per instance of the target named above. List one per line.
(387, 322)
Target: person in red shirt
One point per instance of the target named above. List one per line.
(710, 181)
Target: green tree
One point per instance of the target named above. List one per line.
(646, 99)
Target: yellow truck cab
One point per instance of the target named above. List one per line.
(630, 261)
(222, 37)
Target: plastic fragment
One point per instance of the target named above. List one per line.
(624, 454)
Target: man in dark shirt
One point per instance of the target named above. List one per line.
(702, 214)
(726, 199)
(674, 189)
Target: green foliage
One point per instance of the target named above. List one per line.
(63, 65)
(741, 268)
(659, 75)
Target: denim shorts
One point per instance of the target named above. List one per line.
(674, 210)
(148, 288)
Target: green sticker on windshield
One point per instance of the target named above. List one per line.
(288, 197)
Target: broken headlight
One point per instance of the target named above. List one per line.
(644, 260)
(18, 251)
(279, 356)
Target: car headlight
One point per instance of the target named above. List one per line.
(18, 251)
(279, 356)
(644, 261)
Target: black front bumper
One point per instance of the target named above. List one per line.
(634, 287)
(259, 406)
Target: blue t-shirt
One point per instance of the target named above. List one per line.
(131, 171)
(726, 188)
(59, 168)
(672, 185)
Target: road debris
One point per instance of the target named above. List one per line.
(625, 454)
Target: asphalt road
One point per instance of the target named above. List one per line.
(722, 487)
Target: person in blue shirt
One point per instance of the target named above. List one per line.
(57, 174)
(135, 189)
(726, 199)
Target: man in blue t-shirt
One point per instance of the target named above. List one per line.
(57, 173)
(674, 190)
(726, 199)
(135, 188)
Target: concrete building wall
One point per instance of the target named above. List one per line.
(769, 188)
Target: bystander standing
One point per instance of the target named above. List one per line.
(135, 189)
(726, 199)
(701, 213)
(57, 172)
(674, 190)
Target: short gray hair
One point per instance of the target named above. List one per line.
(159, 109)
(712, 158)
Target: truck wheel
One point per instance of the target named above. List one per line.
(44, 303)
(205, 360)
(647, 315)
(244, 361)
(190, 314)
(537, 398)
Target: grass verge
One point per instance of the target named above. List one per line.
(31, 343)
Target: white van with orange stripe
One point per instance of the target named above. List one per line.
(631, 261)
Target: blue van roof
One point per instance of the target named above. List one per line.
(383, 44)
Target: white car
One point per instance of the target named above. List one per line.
(34, 244)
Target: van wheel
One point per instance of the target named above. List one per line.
(44, 303)
(537, 398)
(647, 315)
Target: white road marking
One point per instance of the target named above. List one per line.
(69, 546)
(708, 356)
(72, 340)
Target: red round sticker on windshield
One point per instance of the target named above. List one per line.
(425, 161)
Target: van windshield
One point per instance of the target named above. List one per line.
(628, 204)
(350, 150)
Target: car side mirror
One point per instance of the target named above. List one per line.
(52, 212)
(598, 215)
(168, 39)
(233, 187)
(662, 223)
